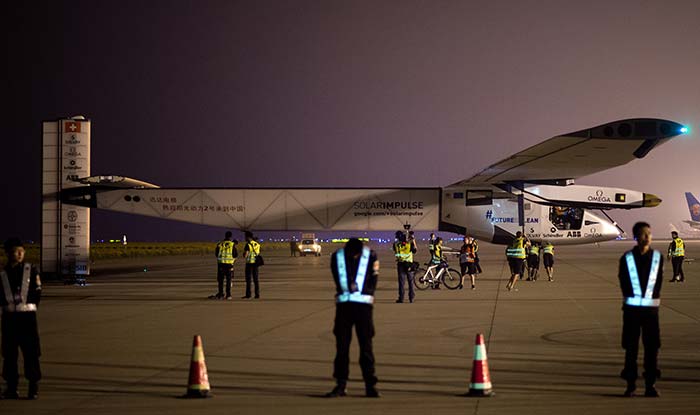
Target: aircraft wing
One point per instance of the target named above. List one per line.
(578, 154)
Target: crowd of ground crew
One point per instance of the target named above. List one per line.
(355, 270)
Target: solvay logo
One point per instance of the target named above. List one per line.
(599, 197)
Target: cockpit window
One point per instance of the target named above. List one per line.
(564, 218)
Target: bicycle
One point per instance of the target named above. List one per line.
(426, 278)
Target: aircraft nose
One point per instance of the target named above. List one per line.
(651, 200)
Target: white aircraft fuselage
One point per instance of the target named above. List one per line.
(426, 209)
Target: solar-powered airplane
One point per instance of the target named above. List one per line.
(533, 190)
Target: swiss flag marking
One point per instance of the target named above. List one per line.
(71, 127)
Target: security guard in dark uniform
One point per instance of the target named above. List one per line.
(676, 253)
(20, 293)
(403, 251)
(641, 275)
(226, 254)
(355, 269)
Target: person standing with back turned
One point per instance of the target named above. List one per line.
(251, 252)
(403, 251)
(355, 269)
(641, 275)
(226, 255)
(676, 253)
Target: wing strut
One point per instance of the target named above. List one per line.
(622, 231)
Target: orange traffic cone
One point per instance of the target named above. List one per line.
(480, 384)
(198, 384)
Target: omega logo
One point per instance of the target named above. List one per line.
(599, 197)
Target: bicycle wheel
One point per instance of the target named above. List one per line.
(451, 278)
(422, 279)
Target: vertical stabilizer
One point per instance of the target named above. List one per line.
(693, 206)
(65, 229)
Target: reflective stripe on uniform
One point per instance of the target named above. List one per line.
(6, 288)
(516, 249)
(346, 295)
(12, 305)
(646, 300)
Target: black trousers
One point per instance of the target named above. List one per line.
(406, 273)
(20, 331)
(533, 261)
(348, 315)
(677, 262)
(646, 321)
(251, 273)
(224, 271)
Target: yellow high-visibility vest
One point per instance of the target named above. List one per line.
(225, 255)
(680, 248)
(253, 252)
(402, 252)
(436, 255)
(516, 249)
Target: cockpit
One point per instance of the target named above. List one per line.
(566, 218)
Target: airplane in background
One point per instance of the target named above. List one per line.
(694, 209)
(533, 191)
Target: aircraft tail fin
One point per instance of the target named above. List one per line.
(693, 206)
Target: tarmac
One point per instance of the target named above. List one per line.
(122, 344)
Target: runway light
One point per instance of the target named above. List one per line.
(684, 130)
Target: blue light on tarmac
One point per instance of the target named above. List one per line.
(684, 130)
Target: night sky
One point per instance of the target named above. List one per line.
(341, 93)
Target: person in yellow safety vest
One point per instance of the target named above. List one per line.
(548, 259)
(515, 252)
(251, 253)
(533, 262)
(403, 251)
(436, 258)
(641, 275)
(676, 253)
(226, 254)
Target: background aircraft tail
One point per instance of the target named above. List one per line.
(693, 206)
